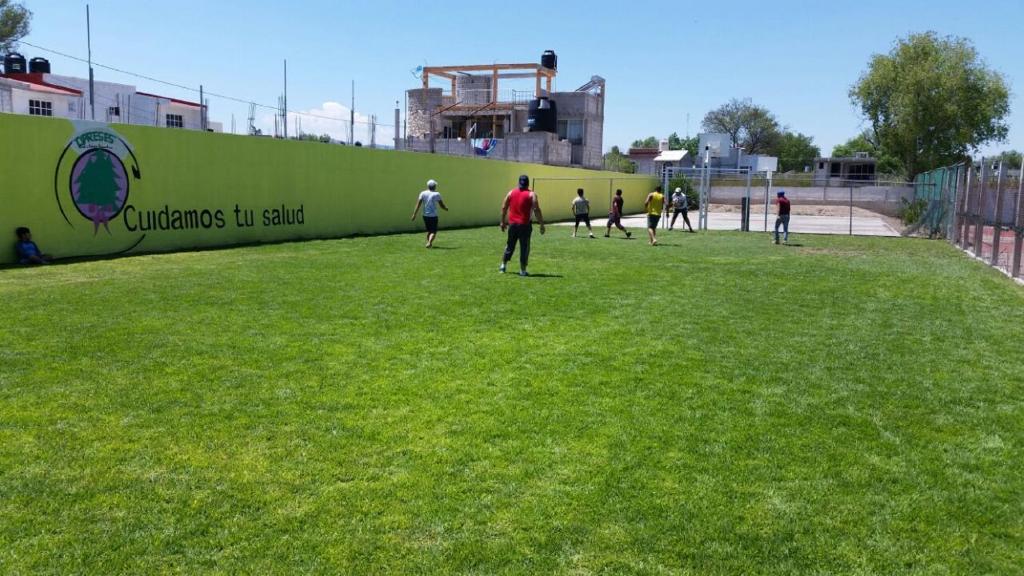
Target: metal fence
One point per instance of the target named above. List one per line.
(740, 199)
(931, 213)
(988, 217)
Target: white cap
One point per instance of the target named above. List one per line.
(431, 184)
(679, 189)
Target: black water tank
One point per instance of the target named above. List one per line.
(14, 63)
(542, 116)
(39, 65)
(549, 60)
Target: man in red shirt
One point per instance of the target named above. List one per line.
(515, 216)
(782, 217)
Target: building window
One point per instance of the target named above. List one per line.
(114, 111)
(40, 108)
(175, 121)
(571, 130)
(821, 165)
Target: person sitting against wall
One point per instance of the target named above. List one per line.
(28, 251)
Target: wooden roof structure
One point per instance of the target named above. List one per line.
(498, 71)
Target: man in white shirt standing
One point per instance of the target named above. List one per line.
(680, 205)
(429, 199)
(581, 210)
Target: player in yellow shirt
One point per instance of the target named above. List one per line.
(654, 204)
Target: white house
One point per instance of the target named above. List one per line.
(68, 97)
(123, 103)
(671, 158)
(33, 96)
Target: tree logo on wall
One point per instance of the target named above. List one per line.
(99, 187)
(97, 182)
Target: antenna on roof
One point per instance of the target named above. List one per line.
(88, 41)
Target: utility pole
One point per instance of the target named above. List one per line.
(352, 117)
(284, 112)
(202, 110)
(88, 41)
(398, 126)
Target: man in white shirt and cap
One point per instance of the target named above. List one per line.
(429, 200)
(680, 206)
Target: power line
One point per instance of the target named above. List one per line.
(276, 109)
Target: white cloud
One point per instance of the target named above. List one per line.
(329, 118)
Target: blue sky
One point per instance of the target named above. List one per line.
(662, 60)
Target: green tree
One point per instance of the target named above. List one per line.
(97, 182)
(888, 165)
(931, 101)
(1011, 158)
(859, 143)
(14, 24)
(752, 127)
(796, 151)
(649, 142)
(326, 138)
(616, 161)
(688, 144)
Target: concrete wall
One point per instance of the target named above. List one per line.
(593, 154)
(586, 107)
(644, 165)
(530, 147)
(473, 89)
(167, 190)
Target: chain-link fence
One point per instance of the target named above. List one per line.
(988, 217)
(740, 199)
(932, 211)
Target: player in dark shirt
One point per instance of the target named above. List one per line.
(615, 215)
(782, 216)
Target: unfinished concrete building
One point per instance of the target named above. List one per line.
(837, 171)
(490, 110)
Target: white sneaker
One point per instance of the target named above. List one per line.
(501, 268)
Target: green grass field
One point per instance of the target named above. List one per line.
(715, 405)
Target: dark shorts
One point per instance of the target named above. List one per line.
(652, 220)
(583, 218)
(680, 211)
(431, 223)
(614, 219)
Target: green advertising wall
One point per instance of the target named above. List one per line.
(95, 189)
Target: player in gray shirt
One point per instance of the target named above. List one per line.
(429, 199)
(581, 210)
